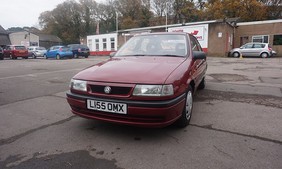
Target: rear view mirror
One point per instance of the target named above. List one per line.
(112, 54)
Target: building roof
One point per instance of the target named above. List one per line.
(4, 37)
(3, 31)
(259, 22)
(47, 37)
(228, 20)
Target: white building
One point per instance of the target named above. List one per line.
(102, 44)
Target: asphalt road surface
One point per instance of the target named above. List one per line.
(236, 122)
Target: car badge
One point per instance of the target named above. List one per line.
(107, 89)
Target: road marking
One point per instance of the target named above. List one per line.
(35, 74)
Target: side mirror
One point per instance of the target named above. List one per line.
(112, 54)
(199, 55)
(241, 47)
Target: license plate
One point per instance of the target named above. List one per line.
(111, 107)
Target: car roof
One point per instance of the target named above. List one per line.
(256, 43)
(16, 45)
(163, 33)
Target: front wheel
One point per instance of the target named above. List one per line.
(202, 85)
(11, 56)
(58, 57)
(185, 118)
(236, 54)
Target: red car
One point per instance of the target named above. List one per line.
(15, 51)
(149, 82)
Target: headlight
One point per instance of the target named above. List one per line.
(153, 90)
(78, 85)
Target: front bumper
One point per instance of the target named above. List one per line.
(139, 113)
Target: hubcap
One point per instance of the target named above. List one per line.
(236, 55)
(189, 105)
(264, 55)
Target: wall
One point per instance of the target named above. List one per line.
(24, 38)
(199, 31)
(250, 29)
(221, 37)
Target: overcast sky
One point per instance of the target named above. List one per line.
(20, 13)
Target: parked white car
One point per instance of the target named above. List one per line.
(263, 50)
(36, 51)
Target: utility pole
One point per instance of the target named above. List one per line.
(166, 16)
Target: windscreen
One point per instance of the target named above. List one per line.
(20, 48)
(155, 45)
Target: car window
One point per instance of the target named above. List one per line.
(83, 46)
(65, 48)
(248, 46)
(259, 45)
(152, 45)
(20, 48)
(40, 48)
(195, 44)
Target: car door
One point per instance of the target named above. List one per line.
(199, 64)
(7, 51)
(258, 48)
(52, 52)
(247, 49)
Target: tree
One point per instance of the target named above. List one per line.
(247, 10)
(106, 16)
(89, 13)
(134, 13)
(162, 8)
(274, 8)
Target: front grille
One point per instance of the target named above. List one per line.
(115, 90)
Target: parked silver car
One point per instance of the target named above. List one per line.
(263, 50)
(36, 51)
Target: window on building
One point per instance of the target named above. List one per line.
(277, 40)
(112, 43)
(244, 40)
(97, 44)
(261, 38)
(104, 44)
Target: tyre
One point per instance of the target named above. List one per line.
(236, 54)
(11, 56)
(264, 55)
(58, 57)
(86, 56)
(185, 118)
(202, 85)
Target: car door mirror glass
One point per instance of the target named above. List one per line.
(112, 54)
(199, 55)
